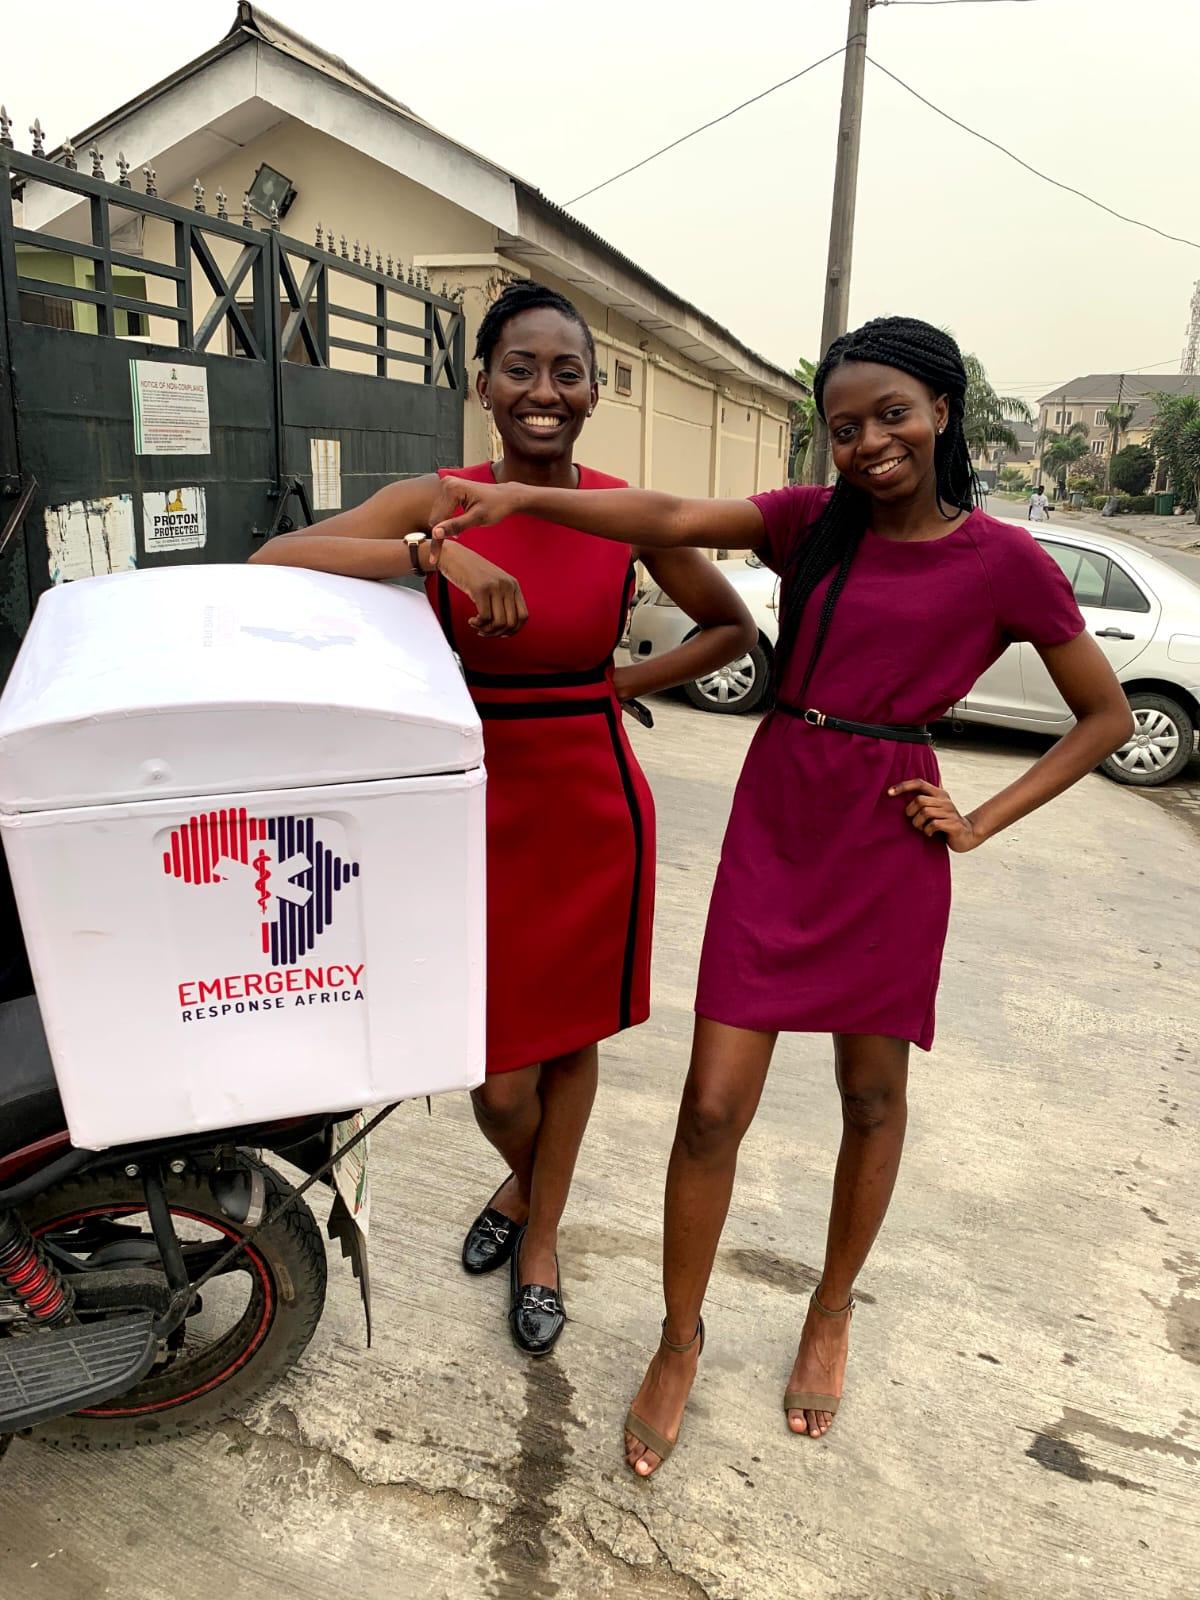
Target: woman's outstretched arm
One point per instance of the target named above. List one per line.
(642, 517)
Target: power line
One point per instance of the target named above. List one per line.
(952, 2)
(1004, 151)
(724, 117)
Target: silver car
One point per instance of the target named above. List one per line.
(1145, 615)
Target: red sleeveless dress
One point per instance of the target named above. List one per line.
(570, 817)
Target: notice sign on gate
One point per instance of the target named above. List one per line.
(173, 519)
(170, 409)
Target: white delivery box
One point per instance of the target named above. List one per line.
(243, 809)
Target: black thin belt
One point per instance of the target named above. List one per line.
(902, 734)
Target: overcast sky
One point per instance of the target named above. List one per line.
(1101, 94)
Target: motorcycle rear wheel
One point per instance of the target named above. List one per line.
(273, 1302)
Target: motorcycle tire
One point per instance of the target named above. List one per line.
(286, 1269)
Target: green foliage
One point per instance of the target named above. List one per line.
(1132, 469)
(986, 414)
(1063, 450)
(804, 416)
(1175, 440)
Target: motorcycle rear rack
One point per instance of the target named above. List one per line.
(49, 1372)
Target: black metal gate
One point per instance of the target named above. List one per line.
(326, 376)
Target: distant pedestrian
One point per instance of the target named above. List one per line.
(1039, 506)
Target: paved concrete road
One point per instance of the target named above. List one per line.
(1023, 1412)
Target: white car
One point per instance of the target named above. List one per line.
(1144, 613)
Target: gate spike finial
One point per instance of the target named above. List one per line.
(367, 254)
(410, 272)
(320, 237)
(378, 262)
(39, 138)
(390, 273)
(345, 249)
(247, 219)
(69, 160)
(274, 222)
(445, 290)
(123, 169)
(198, 191)
(5, 128)
(97, 156)
(357, 254)
(222, 206)
(149, 174)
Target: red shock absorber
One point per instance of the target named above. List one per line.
(28, 1276)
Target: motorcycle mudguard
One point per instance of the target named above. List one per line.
(342, 1227)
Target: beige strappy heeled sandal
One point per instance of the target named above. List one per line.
(807, 1399)
(650, 1437)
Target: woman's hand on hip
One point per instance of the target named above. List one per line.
(931, 811)
(459, 505)
(499, 604)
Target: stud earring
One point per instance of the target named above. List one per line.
(487, 405)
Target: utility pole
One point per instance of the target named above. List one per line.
(841, 222)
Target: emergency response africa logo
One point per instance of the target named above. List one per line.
(281, 868)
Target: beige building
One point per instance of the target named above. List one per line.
(1087, 400)
(685, 406)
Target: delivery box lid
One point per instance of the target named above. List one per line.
(200, 680)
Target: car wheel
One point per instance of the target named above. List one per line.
(1161, 746)
(734, 689)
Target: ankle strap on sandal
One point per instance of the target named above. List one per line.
(687, 1345)
(826, 1312)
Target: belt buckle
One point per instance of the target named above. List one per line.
(814, 718)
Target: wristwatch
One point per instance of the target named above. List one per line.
(414, 541)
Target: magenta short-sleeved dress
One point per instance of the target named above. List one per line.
(829, 911)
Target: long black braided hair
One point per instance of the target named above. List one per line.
(525, 295)
(924, 352)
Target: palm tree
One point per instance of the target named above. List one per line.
(1118, 418)
(803, 418)
(1062, 451)
(987, 415)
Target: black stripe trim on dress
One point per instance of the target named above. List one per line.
(525, 710)
(635, 818)
(444, 609)
(538, 680)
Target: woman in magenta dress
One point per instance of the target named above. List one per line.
(833, 893)
(535, 609)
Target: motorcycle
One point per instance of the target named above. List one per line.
(149, 1290)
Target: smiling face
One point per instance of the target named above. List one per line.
(539, 384)
(883, 426)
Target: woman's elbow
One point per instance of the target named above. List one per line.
(747, 633)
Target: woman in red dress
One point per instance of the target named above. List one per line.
(833, 894)
(535, 611)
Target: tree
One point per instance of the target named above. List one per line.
(1118, 418)
(1175, 441)
(803, 419)
(987, 416)
(1087, 473)
(1063, 450)
(1132, 469)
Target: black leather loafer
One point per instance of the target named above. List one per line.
(490, 1240)
(537, 1315)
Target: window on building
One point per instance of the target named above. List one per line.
(1063, 419)
(297, 353)
(1099, 446)
(624, 381)
(1100, 420)
(46, 310)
